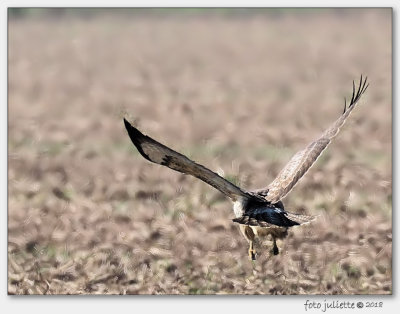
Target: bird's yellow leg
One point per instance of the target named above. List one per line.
(252, 251)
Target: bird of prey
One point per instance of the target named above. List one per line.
(260, 212)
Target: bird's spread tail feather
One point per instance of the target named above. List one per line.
(301, 219)
(273, 219)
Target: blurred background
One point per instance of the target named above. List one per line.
(239, 91)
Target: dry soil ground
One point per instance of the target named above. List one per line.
(239, 94)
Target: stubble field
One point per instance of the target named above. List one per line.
(238, 94)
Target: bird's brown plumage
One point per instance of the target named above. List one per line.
(260, 213)
(302, 161)
(162, 155)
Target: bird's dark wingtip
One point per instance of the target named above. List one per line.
(356, 95)
(127, 124)
(136, 137)
(132, 131)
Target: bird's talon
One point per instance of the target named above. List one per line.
(252, 255)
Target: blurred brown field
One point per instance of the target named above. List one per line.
(239, 93)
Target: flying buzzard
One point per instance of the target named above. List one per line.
(260, 213)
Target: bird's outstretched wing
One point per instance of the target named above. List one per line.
(162, 155)
(304, 159)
